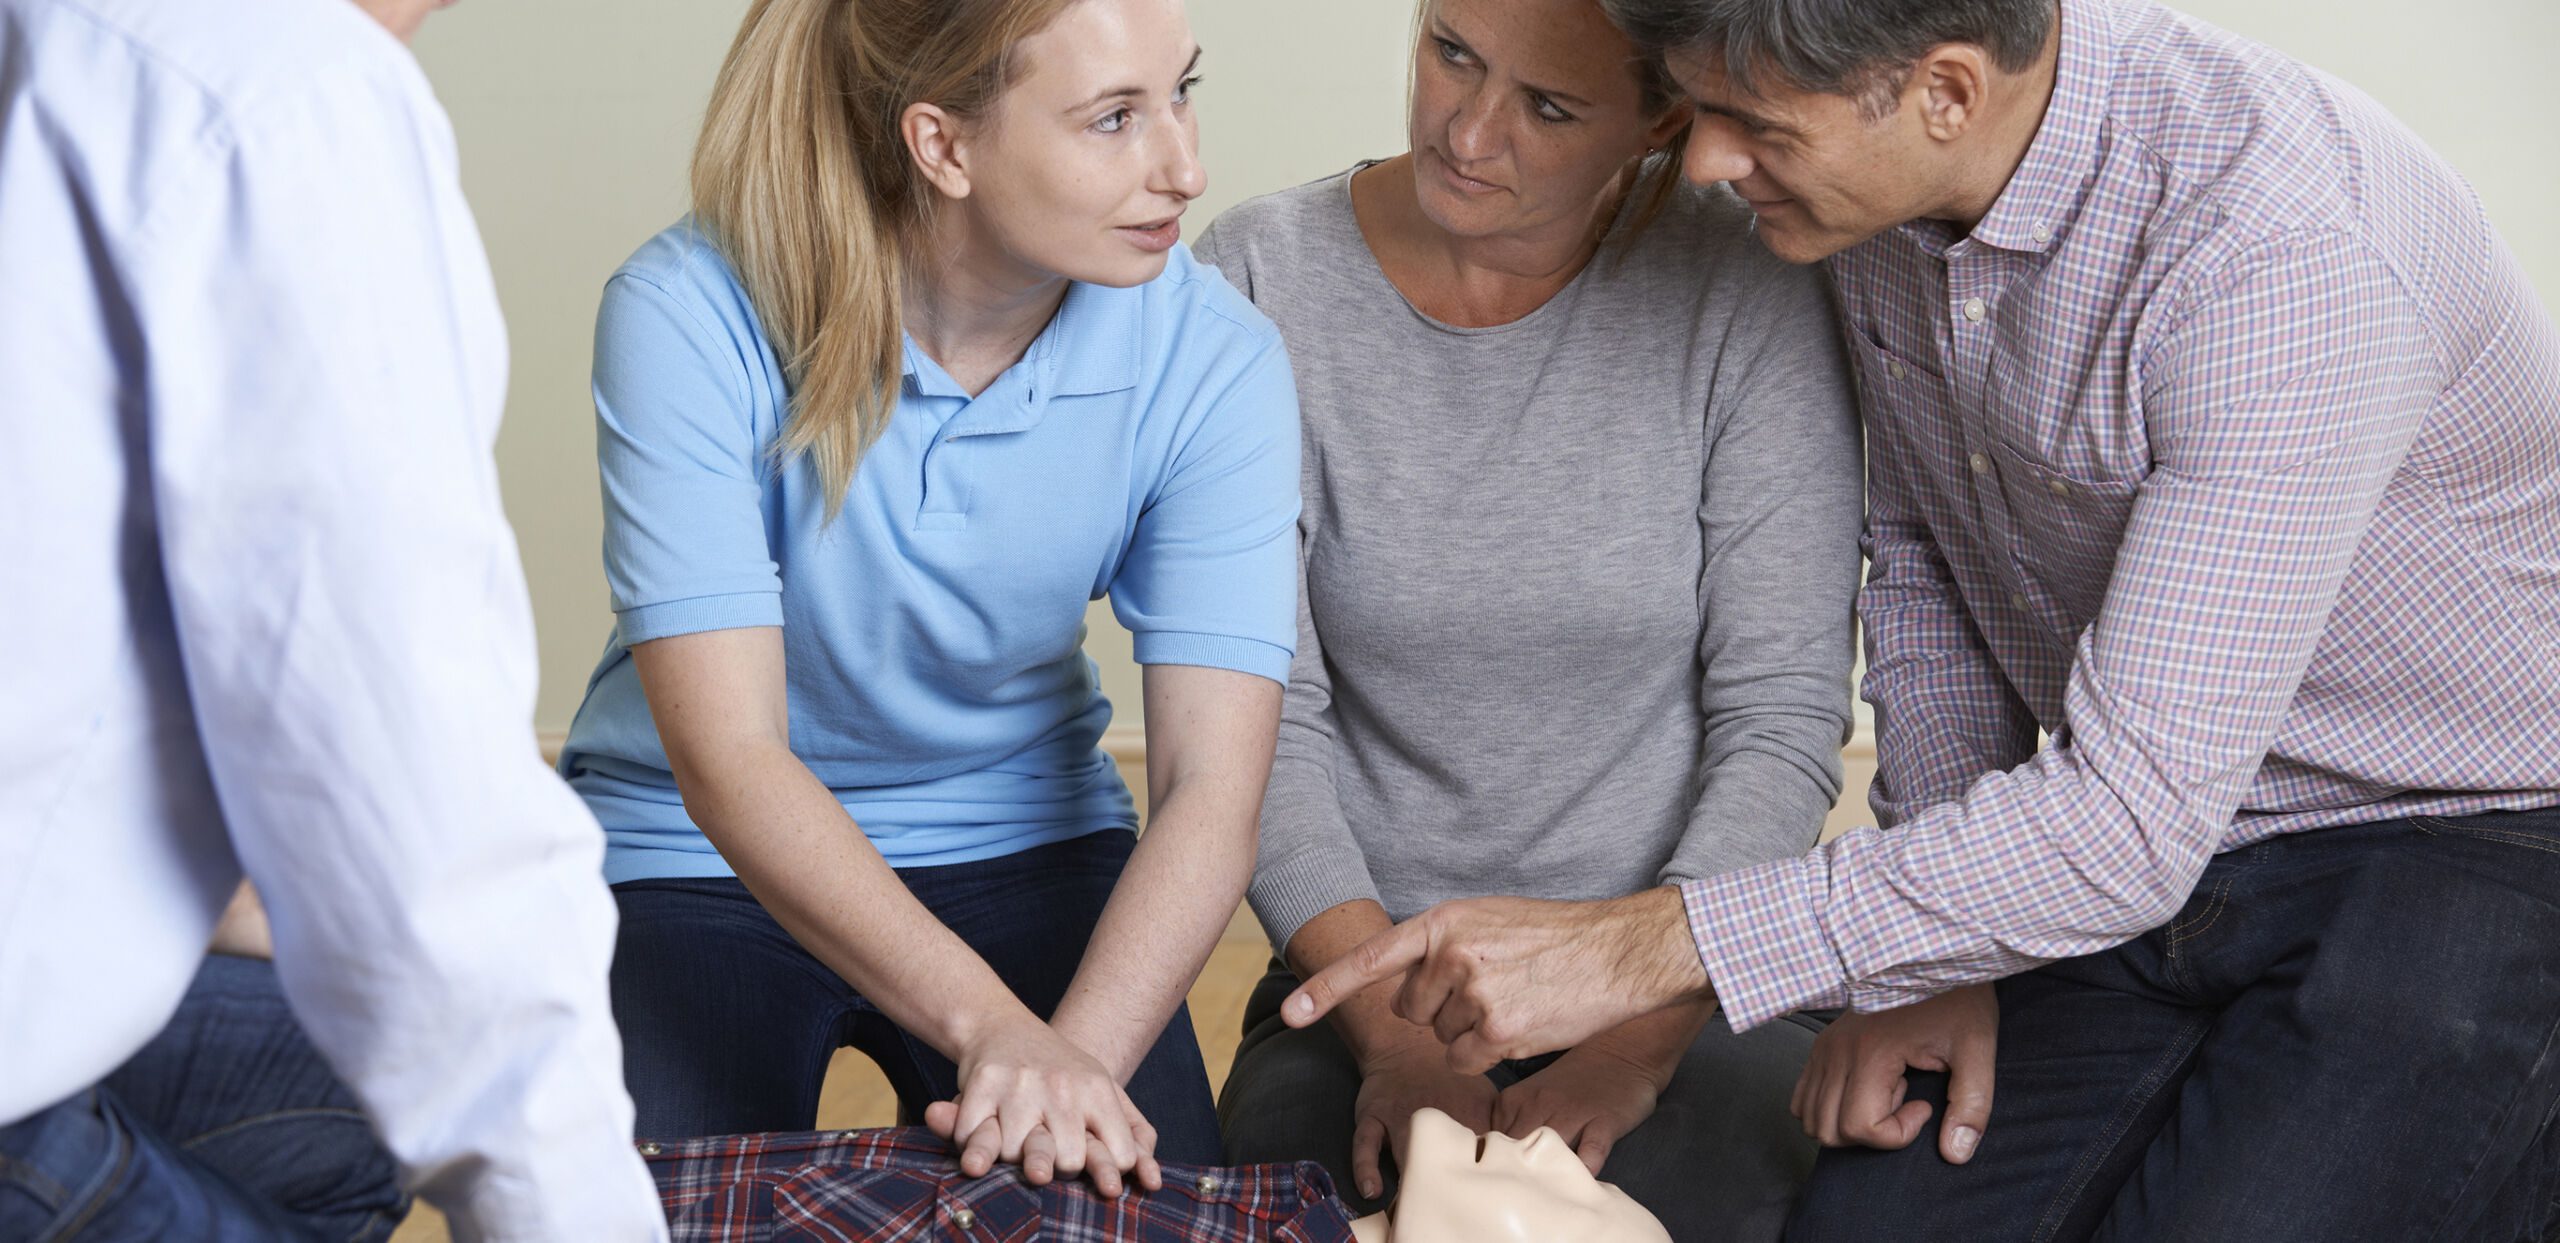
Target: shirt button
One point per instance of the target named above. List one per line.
(1897, 370)
(1981, 464)
(2058, 488)
(1208, 1184)
(1975, 309)
(650, 1149)
(2019, 599)
(2042, 235)
(964, 1218)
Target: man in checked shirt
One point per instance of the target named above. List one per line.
(2213, 629)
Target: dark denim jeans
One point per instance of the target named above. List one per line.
(2346, 1034)
(727, 1024)
(227, 1126)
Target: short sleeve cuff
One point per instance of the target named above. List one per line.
(1212, 651)
(697, 615)
(1759, 935)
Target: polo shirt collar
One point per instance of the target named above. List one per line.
(1090, 347)
(2044, 196)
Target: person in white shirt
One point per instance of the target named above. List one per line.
(264, 616)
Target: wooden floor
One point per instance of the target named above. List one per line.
(856, 1095)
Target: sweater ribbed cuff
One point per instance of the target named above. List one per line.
(1285, 895)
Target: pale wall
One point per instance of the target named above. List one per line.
(575, 117)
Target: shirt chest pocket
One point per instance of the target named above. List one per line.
(1896, 383)
(2065, 528)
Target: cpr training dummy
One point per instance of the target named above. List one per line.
(1460, 1187)
(905, 1184)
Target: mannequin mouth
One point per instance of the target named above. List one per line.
(1155, 237)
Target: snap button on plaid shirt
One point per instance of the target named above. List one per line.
(2225, 451)
(894, 1185)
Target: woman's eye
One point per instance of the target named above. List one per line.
(1182, 94)
(1451, 52)
(1547, 110)
(1116, 121)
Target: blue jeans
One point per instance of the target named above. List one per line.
(727, 1024)
(2352, 1033)
(227, 1126)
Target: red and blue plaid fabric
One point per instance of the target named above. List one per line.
(2225, 452)
(894, 1185)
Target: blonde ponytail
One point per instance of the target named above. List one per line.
(803, 180)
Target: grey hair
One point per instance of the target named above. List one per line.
(1835, 47)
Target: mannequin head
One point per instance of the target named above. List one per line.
(1459, 1188)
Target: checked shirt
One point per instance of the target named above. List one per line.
(897, 1185)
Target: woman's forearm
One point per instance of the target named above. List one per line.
(1183, 883)
(1210, 736)
(810, 866)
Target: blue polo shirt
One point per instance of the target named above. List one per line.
(1146, 447)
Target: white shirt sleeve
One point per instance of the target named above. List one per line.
(326, 367)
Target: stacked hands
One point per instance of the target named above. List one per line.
(1031, 1097)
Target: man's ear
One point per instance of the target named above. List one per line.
(1953, 84)
(935, 142)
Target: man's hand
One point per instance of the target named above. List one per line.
(1515, 977)
(1852, 1089)
(1398, 1082)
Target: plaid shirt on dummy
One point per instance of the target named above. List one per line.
(2225, 451)
(894, 1185)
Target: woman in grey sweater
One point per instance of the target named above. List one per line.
(1579, 548)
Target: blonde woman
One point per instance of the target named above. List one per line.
(926, 370)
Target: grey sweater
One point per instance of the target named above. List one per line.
(1576, 597)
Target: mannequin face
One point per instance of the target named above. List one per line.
(1459, 1189)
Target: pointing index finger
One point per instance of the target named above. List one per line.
(1384, 956)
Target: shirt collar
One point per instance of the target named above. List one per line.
(2044, 195)
(1091, 346)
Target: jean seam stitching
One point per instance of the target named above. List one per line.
(2526, 840)
(2211, 915)
(2540, 1063)
(31, 1176)
(228, 1129)
(2078, 1181)
(127, 1148)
